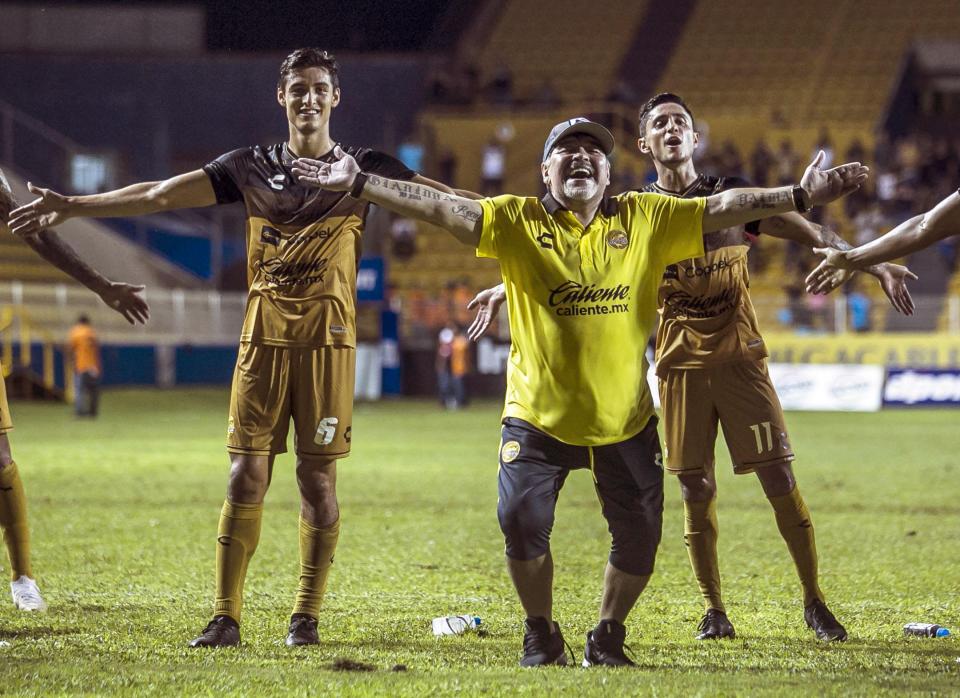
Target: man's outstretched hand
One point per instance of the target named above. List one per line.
(488, 304)
(335, 176)
(126, 300)
(47, 210)
(824, 186)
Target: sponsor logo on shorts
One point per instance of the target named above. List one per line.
(338, 329)
(572, 298)
(617, 239)
(509, 451)
(326, 430)
(231, 427)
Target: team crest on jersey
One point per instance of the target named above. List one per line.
(509, 451)
(617, 239)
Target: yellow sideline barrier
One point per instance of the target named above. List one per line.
(8, 315)
(889, 349)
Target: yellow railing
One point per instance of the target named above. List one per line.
(14, 316)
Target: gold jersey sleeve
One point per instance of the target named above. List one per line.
(582, 303)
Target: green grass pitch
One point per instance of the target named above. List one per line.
(124, 514)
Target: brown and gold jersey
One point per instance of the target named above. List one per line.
(706, 315)
(303, 245)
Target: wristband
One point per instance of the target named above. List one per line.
(800, 199)
(359, 182)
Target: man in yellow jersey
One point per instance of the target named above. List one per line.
(85, 357)
(711, 363)
(916, 233)
(123, 298)
(297, 345)
(581, 272)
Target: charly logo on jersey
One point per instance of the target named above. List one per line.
(618, 240)
(546, 240)
(574, 298)
(277, 182)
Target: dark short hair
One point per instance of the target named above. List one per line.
(83, 320)
(656, 101)
(309, 58)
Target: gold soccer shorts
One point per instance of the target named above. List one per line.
(271, 385)
(6, 422)
(740, 396)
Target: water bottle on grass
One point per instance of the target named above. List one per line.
(455, 625)
(925, 630)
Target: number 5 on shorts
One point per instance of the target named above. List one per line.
(758, 434)
(326, 430)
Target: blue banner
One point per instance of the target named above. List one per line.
(922, 387)
(370, 280)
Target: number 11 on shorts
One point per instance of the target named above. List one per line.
(759, 435)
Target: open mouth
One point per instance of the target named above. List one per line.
(673, 141)
(580, 172)
(309, 112)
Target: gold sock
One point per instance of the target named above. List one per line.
(317, 546)
(13, 521)
(237, 538)
(700, 534)
(796, 527)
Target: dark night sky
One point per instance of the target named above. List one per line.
(276, 25)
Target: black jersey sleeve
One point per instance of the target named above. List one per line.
(226, 174)
(375, 162)
(753, 227)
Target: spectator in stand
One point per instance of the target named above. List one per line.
(858, 307)
(403, 238)
(500, 88)
(444, 366)
(545, 95)
(87, 369)
(761, 161)
(493, 166)
(868, 223)
(786, 163)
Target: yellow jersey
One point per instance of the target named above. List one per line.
(582, 304)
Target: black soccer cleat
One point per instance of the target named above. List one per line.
(605, 645)
(303, 631)
(823, 623)
(222, 631)
(541, 647)
(715, 626)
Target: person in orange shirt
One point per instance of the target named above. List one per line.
(85, 353)
(459, 367)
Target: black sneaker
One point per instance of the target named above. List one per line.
(823, 623)
(303, 631)
(540, 646)
(715, 625)
(222, 631)
(605, 645)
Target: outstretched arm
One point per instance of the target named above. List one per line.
(942, 221)
(189, 190)
(892, 277)
(461, 217)
(123, 298)
(817, 187)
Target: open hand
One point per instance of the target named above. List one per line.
(824, 186)
(488, 304)
(335, 176)
(46, 211)
(893, 281)
(126, 300)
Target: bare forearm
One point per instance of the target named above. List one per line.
(829, 238)
(134, 200)
(53, 249)
(906, 238)
(459, 216)
(739, 206)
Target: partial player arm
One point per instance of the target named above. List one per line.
(123, 298)
(740, 206)
(189, 190)
(942, 221)
(460, 216)
(892, 277)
